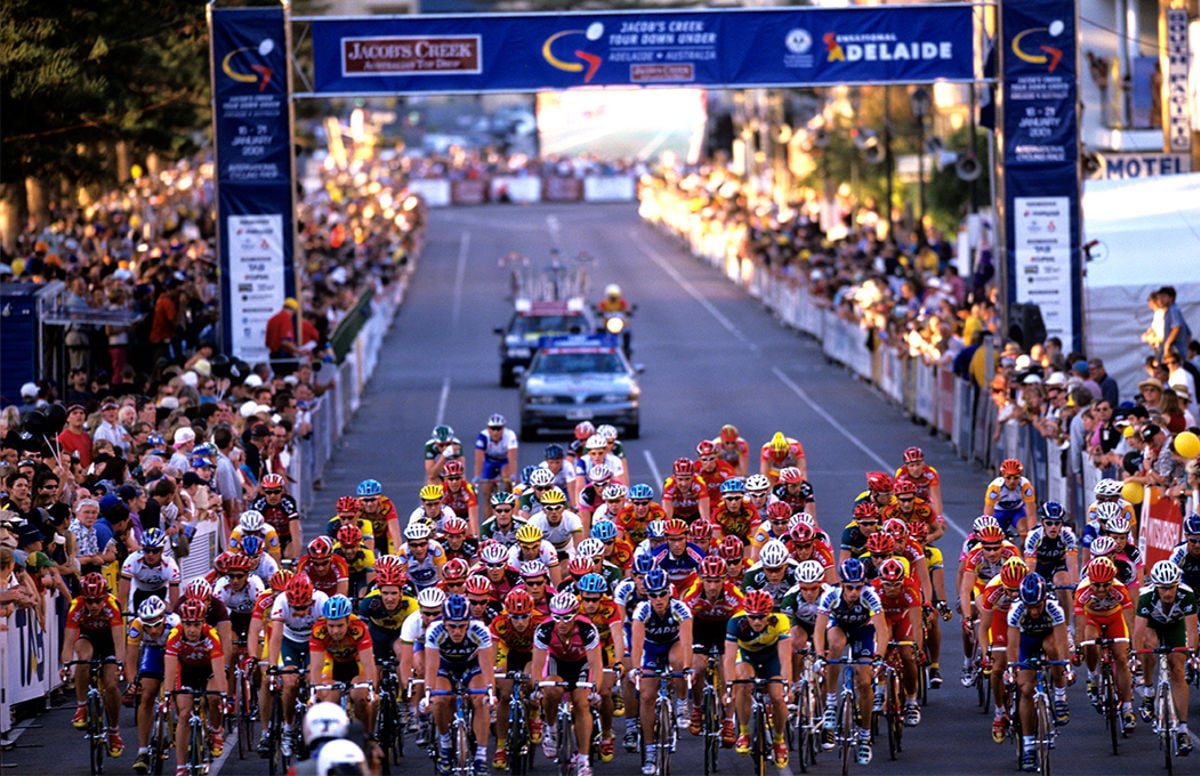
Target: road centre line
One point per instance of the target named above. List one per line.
(653, 468)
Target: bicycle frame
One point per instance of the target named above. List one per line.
(97, 721)
(460, 727)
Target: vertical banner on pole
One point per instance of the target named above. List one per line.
(1040, 137)
(252, 129)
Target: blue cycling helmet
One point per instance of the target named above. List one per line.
(252, 545)
(643, 563)
(1191, 524)
(528, 470)
(369, 488)
(604, 530)
(656, 529)
(1052, 510)
(657, 580)
(154, 539)
(554, 453)
(733, 485)
(852, 570)
(641, 492)
(337, 607)
(456, 608)
(1033, 589)
(592, 583)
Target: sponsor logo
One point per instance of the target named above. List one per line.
(412, 55)
(244, 65)
(1033, 45)
(579, 61)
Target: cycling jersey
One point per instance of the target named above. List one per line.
(662, 629)
(927, 479)
(998, 599)
(739, 632)
(433, 448)
(493, 531)
(297, 628)
(1050, 554)
(728, 603)
(343, 650)
(359, 563)
(626, 596)
(467, 549)
(1095, 604)
(138, 636)
(279, 516)
(509, 640)
(802, 612)
(546, 554)
(680, 569)
(604, 618)
(712, 479)
(477, 637)
(584, 466)
(1160, 614)
(379, 523)
(80, 619)
(331, 528)
(1036, 626)
(268, 534)
(412, 632)
(424, 572)
(854, 540)
(1010, 503)
(983, 568)
(796, 501)
(325, 578)
(740, 524)
(561, 534)
(1189, 563)
(150, 579)
(634, 525)
(460, 500)
(372, 610)
(685, 501)
(217, 611)
(849, 616)
(195, 654)
(495, 454)
(582, 638)
(239, 602)
(732, 454)
(756, 579)
(920, 513)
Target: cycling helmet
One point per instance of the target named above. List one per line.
(643, 562)
(369, 488)
(604, 530)
(1118, 524)
(300, 590)
(599, 474)
(221, 562)
(1033, 589)
(416, 531)
(199, 589)
(553, 496)
(810, 572)
(152, 611)
(757, 483)
(983, 521)
(867, 510)
(731, 548)
(534, 568)
(897, 529)
(779, 443)
(592, 583)
(347, 505)
(579, 565)
(879, 482)
(905, 488)
(733, 485)
(595, 442)
(432, 493)
(617, 492)
(1012, 572)
(1191, 524)
(609, 432)
(992, 534)
(706, 448)
(336, 607)
(852, 570)
(251, 521)
(242, 563)
(454, 525)
(1108, 510)
(657, 580)
(1107, 488)
(713, 566)
(1165, 574)
(455, 570)
(790, 475)
(758, 602)
(802, 517)
(528, 471)
(154, 538)
(529, 534)
(774, 554)
(518, 602)
(452, 468)
(803, 533)
(1101, 571)
(700, 532)
(918, 530)
(564, 605)
(656, 529)
(496, 420)
(456, 608)
(493, 552)
(273, 481)
(349, 535)
(388, 575)
(778, 510)
(553, 452)
(590, 548)
(729, 433)
(279, 580)
(443, 433)
(683, 467)
(1011, 467)
(913, 454)
(326, 721)
(541, 477)
(503, 497)
(253, 546)
(319, 548)
(479, 585)
(892, 570)
(432, 598)
(674, 527)
(1102, 545)
(390, 561)
(193, 610)
(881, 543)
(1052, 510)
(641, 492)
(584, 430)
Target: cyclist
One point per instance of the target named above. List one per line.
(937, 580)
(994, 603)
(504, 523)
(340, 650)
(733, 449)
(597, 454)
(600, 610)
(711, 470)
(385, 609)
(733, 516)
(713, 600)
(779, 453)
(532, 546)
(627, 596)
(854, 536)
(795, 491)
(1103, 609)
(459, 495)
(554, 461)
(576, 448)
(805, 545)
(1052, 550)
(1036, 626)
(757, 646)
(441, 448)
(776, 524)
(347, 511)
(459, 653)
(423, 557)
(911, 508)
(262, 565)
(1186, 554)
(360, 561)
(481, 596)
(145, 648)
(615, 551)
(635, 517)
(252, 523)
(495, 457)
(615, 499)
(457, 542)
(535, 578)
(561, 527)
(410, 646)
(1166, 617)
(512, 634)
(567, 649)
(1108, 504)
(280, 512)
(1010, 499)
(292, 616)
(1125, 554)
(379, 510)
(324, 724)
(925, 477)
(679, 558)
(849, 615)
(661, 641)
(433, 511)
(493, 563)
(775, 572)
(328, 571)
(901, 598)
(684, 494)
(194, 661)
(454, 577)
(879, 490)
(758, 492)
(733, 553)
(149, 573)
(591, 496)
(93, 629)
(239, 591)
(802, 604)
(982, 563)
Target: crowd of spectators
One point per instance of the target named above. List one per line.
(460, 163)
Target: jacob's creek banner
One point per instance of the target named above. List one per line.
(528, 52)
(252, 125)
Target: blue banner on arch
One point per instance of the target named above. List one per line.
(530, 52)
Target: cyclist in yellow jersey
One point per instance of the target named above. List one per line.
(757, 645)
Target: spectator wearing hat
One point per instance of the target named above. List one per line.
(110, 430)
(1081, 370)
(1186, 403)
(74, 440)
(41, 568)
(185, 442)
(1109, 389)
(1151, 390)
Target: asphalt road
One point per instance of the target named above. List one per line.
(712, 356)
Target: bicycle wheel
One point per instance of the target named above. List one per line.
(712, 730)
(847, 730)
(158, 742)
(565, 730)
(808, 718)
(1163, 711)
(278, 762)
(518, 741)
(1045, 729)
(662, 736)
(1110, 706)
(895, 713)
(95, 732)
(385, 730)
(197, 747)
(463, 751)
(923, 680)
(1012, 705)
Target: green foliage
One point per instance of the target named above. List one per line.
(949, 196)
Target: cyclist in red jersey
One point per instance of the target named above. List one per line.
(459, 495)
(925, 477)
(901, 598)
(733, 516)
(340, 650)
(733, 552)
(195, 661)
(684, 494)
(637, 515)
(733, 449)
(713, 600)
(778, 454)
(94, 627)
(385, 520)
(805, 545)
(328, 571)
(911, 508)
(795, 491)
(280, 512)
(712, 470)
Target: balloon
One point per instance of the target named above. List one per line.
(35, 423)
(1187, 444)
(1133, 492)
(56, 419)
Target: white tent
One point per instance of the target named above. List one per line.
(1147, 234)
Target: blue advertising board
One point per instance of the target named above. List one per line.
(252, 130)
(480, 53)
(1041, 161)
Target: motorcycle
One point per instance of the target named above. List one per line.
(616, 323)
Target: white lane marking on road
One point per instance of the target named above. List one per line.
(693, 292)
(460, 275)
(653, 467)
(552, 226)
(442, 400)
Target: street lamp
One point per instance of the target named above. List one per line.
(921, 105)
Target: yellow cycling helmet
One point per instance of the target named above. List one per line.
(529, 534)
(553, 496)
(779, 443)
(432, 493)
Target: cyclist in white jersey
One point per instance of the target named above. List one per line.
(149, 572)
(495, 459)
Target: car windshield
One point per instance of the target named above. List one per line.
(548, 324)
(579, 363)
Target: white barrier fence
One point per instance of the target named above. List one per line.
(524, 189)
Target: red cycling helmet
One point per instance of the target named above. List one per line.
(779, 510)
(731, 548)
(896, 528)
(584, 430)
(454, 525)
(1011, 467)
(348, 505)
(221, 563)
(389, 575)
(729, 433)
(300, 591)
(881, 543)
(675, 527)
(913, 454)
(905, 487)
(684, 467)
(918, 530)
(713, 566)
(700, 531)
(990, 534)
(865, 510)
(93, 585)
(803, 533)
(1101, 571)
(479, 585)
(892, 570)
(280, 579)
(759, 602)
(518, 602)
(879, 482)
(452, 468)
(320, 548)
(455, 570)
(192, 610)
(199, 588)
(790, 475)
(706, 448)
(349, 535)
(1012, 572)
(578, 566)
(240, 563)
(273, 482)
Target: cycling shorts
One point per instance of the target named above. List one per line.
(998, 630)
(101, 640)
(706, 635)
(150, 662)
(492, 468)
(656, 657)
(807, 627)
(901, 628)
(1172, 635)
(933, 558)
(459, 673)
(381, 643)
(1007, 518)
(1109, 625)
(140, 595)
(193, 677)
(518, 660)
(1048, 570)
(861, 640)
(340, 670)
(572, 671)
(294, 653)
(1032, 645)
(764, 661)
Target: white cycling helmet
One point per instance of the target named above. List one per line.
(757, 483)
(1101, 546)
(251, 521)
(983, 521)
(341, 758)
(1165, 573)
(1107, 487)
(431, 598)
(152, 610)
(493, 552)
(1118, 524)
(774, 554)
(325, 720)
(599, 473)
(417, 530)
(595, 442)
(541, 477)
(590, 548)
(614, 491)
(810, 572)
(607, 431)
(1107, 512)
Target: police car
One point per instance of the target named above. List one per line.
(578, 378)
(531, 321)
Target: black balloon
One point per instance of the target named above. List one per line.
(35, 423)
(56, 419)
